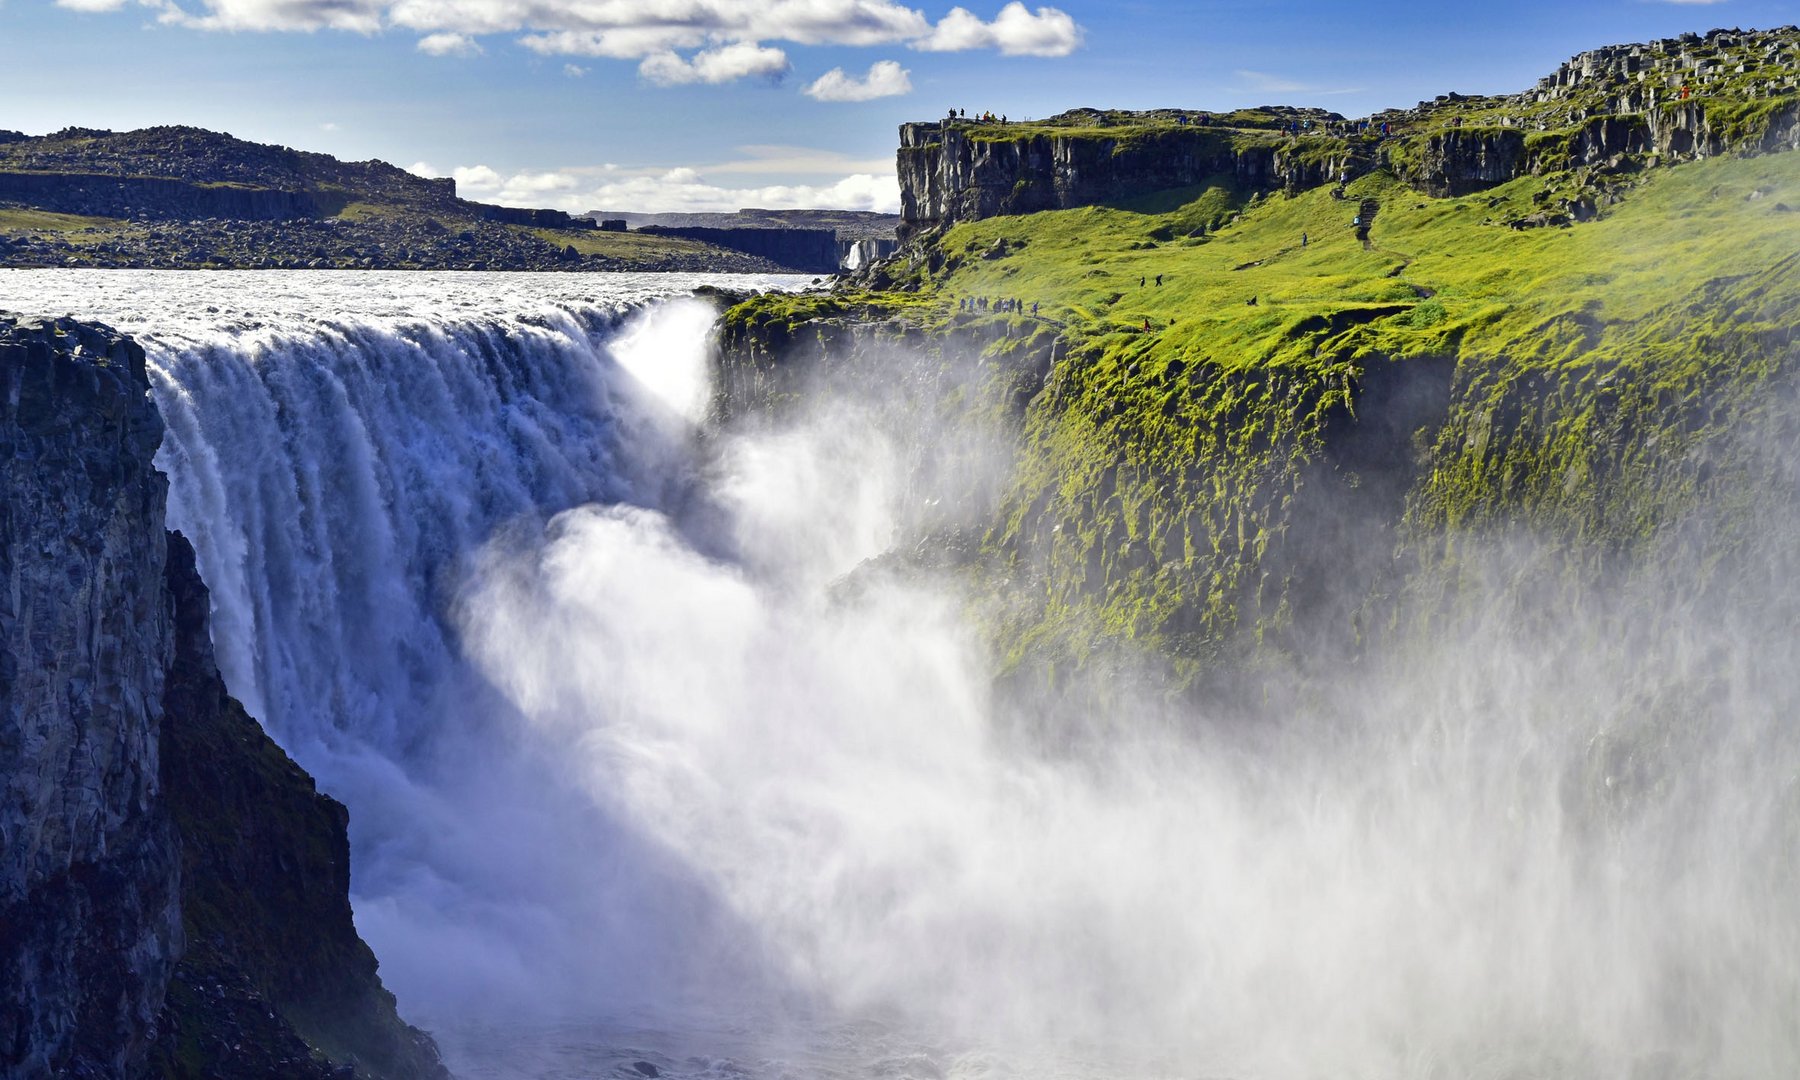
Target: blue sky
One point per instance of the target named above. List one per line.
(713, 104)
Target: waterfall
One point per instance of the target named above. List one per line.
(644, 740)
(341, 478)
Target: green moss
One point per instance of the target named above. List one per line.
(1742, 121)
(1165, 474)
(75, 228)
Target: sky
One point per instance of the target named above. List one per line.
(661, 105)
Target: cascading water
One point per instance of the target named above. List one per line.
(633, 773)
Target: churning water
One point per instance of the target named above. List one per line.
(634, 777)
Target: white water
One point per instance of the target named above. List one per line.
(620, 755)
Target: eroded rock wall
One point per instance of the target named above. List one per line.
(174, 891)
(89, 913)
(948, 175)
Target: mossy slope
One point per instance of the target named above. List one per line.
(1228, 464)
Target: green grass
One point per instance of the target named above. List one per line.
(1163, 470)
(625, 246)
(1083, 266)
(74, 228)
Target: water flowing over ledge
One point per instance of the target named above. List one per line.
(637, 738)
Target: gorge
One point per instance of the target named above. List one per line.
(1267, 623)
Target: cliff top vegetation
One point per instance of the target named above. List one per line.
(1589, 332)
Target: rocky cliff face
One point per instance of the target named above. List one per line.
(952, 171)
(152, 197)
(273, 970)
(1673, 100)
(810, 251)
(137, 800)
(89, 915)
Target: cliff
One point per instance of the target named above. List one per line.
(274, 981)
(952, 171)
(1259, 419)
(100, 195)
(173, 891)
(809, 251)
(1611, 110)
(89, 863)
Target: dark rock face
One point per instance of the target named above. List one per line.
(273, 963)
(141, 810)
(1677, 99)
(536, 219)
(811, 251)
(89, 916)
(152, 197)
(946, 176)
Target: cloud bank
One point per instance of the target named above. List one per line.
(683, 189)
(690, 41)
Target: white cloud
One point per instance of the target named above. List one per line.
(359, 16)
(623, 43)
(885, 79)
(655, 32)
(574, 71)
(449, 44)
(329, 125)
(1016, 31)
(477, 178)
(608, 187)
(91, 5)
(726, 63)
(425, 169)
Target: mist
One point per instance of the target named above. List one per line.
(1556, 836)
(658, 743)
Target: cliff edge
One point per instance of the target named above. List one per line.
(174, 892)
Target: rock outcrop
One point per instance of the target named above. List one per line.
(952, 171)
(173, 890)
(534, 219)
(1729, 91)
(810, 251)
(89, 867)
(273, 968)
(152, 197)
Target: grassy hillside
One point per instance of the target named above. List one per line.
(1304, 411)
